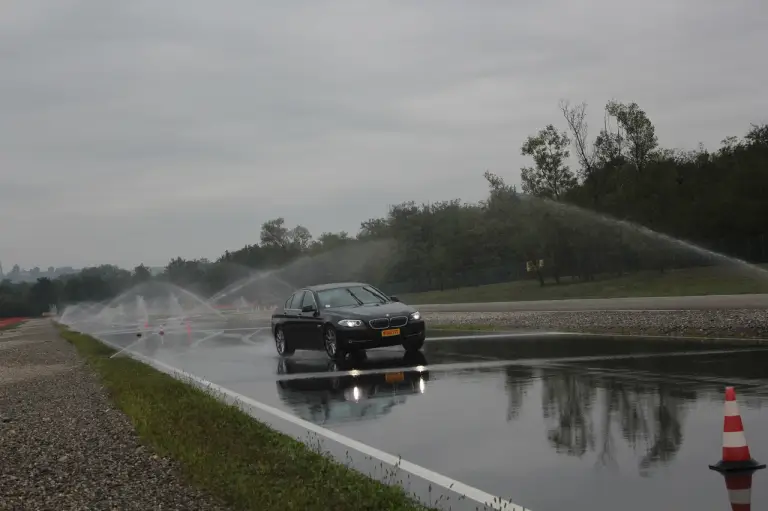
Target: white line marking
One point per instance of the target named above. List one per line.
(248, 339)
(195, 330)
(671, 337)
(499, 363)
(199, 342)
(478, 334)
(427, 312)
(447, 483)
(134, 343)
(507, 335)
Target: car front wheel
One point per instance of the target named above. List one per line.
(331, 343)
(281, 344)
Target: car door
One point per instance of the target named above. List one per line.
(290, 319)
(311, 323)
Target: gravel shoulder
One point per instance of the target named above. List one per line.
(65, 445)
(736, 323)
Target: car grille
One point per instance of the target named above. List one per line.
(379, 323)
(398, 321)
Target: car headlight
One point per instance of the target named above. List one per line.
(350, 322)
(415, 316)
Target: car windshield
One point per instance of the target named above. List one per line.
(350, 296)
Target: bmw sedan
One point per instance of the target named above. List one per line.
(344, 318)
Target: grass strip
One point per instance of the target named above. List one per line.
(713, 280)
(226, 452)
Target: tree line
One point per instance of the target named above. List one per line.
(588, 206)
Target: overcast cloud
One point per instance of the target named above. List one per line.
(137, 130)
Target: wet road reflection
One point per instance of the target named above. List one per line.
(353, 395)
(552, 423)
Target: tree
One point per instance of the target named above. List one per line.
(330, 241)
(299, 238)
(375, 228)
(638, 132)
(757, 135)
(141, 274)
(714, 199)
(576, 117)
(274, 234)
(550, 177)
(42, 295)
(185, 272)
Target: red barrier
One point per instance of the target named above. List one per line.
(10, 321)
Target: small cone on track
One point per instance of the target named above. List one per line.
(736, 456)
(739, 488)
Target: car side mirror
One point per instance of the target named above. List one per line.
(394, 298)
(308, 308)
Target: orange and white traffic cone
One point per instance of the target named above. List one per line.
(736, 456)
(739, 488)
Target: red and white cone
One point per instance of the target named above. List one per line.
(739, 488)
(736, 456)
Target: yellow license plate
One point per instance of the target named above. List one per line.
(391, 332)
(394, 377)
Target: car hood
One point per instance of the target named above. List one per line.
(373, 311)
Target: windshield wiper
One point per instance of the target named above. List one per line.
(382, 299)
(358, 300)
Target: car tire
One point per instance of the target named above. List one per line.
(333, 348)
(411, 346)
(282, 346)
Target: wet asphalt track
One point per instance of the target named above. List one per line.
(550, 422)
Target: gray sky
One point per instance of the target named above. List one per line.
(135, 131)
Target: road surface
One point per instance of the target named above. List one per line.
(549, 422)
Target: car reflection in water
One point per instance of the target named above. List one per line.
(355, 395)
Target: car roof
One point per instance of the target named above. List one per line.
(323, 287)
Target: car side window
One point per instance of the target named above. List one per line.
(297, 298)
(288, 302)
(308, 300)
